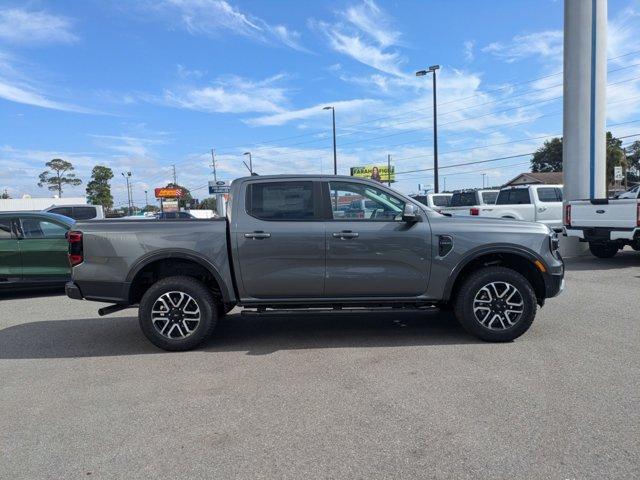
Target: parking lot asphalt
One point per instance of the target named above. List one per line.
(384, 395)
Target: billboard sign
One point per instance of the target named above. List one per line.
(374, 172)
(169, 205)
(168, 192)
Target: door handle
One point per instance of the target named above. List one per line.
(346, 234)
(257, 235)
(542, 209)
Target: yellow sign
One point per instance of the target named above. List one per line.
(374, 172)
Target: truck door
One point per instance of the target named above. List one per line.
(43, 249)
(549, 206)
(10, 264)
(378, 254)
(280, 240)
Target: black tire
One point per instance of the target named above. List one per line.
(603, 250)
(474, 285)
(204, 300)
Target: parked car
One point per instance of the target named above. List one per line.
(33, 249)
(282, 247)
(607, 225)
(78, 212)
(435, 201)
(463, 200)
(174, 215)
(533, 203)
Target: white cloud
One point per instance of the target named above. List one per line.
(546, 44)
(229, 95)
(286, 116)
(468, 50)
(363, 33)
(210, 17)
(32, 27)
(17, 94)
(370, 19)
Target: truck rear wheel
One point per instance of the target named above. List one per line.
(495, 304)
(603, 250)
(177, 313)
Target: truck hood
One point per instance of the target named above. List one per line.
(481, 224)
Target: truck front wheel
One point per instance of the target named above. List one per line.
(495, 304)
(603, 250)
(177, 313)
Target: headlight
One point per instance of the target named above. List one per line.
(554, 241)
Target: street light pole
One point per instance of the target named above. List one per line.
(146, 200)
(389, 169)
(335, 153)
(250, 166)
(432, 69)
(126, 177)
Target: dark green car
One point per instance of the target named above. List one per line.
(33, 249)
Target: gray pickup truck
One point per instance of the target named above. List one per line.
(288, 243)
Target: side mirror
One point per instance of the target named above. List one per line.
(410, 213)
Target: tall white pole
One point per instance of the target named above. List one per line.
(585, 84)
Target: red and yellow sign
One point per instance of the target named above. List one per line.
(168, 192)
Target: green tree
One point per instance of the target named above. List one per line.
(99, 189)
(58, 174)
(633, 161)
(548, 158)
(208, 203)
(186, 195)
(5, 195)
(615, 157)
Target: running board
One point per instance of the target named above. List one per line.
(111, 309)
(331, 311)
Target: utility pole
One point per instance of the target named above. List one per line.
(213, 164)
(389, 169)
(146, 200)
(175, 180)
(483, 176)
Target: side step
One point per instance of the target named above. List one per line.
(273, 312)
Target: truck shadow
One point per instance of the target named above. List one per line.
(98, 337)
(624, 259)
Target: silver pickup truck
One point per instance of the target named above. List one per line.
(287, 242)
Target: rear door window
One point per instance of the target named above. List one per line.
(441, 200)
(5, 228)
(274, 201)
(66, 211)
(548, 194)
(516, 196)
(84, 213)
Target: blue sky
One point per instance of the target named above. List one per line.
(143, 85)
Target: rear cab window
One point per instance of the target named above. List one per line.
(84, 213)
(489, 198)
(464, 199)
(514, 196)
(5, 229)
(441, 200)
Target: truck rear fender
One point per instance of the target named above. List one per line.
(161, 264)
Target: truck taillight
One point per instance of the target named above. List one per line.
(474, 211)
(75, 248)
(567, 215)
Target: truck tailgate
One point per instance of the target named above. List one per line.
(604, 213)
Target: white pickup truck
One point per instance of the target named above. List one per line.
(435, 201)
(608, 225)
(463, 200)
(532, 203)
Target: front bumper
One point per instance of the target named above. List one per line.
(553, 284)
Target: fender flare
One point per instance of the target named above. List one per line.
(184, 255)
(484, 250)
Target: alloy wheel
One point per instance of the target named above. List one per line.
(498, 305)
(175, 315)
